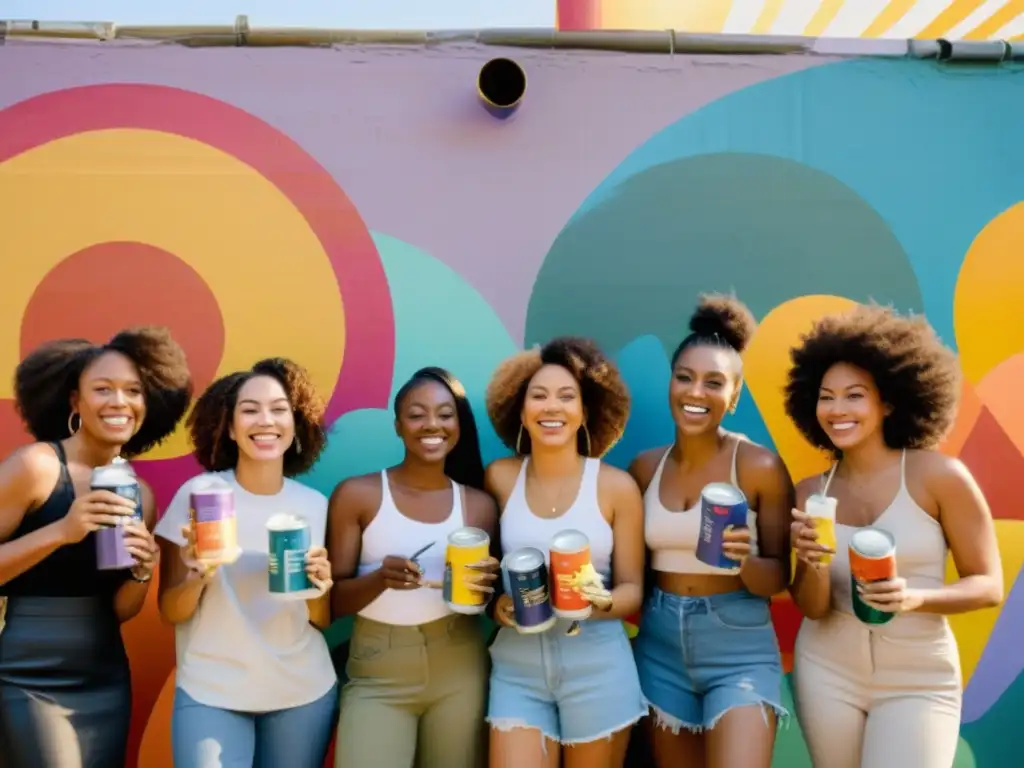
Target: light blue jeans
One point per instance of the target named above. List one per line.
(208, 737)
(572, 689)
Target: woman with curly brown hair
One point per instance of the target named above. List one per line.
(560, 408)
(707, 654)
(65, 686)
(255, 685)
(417, 671)
(879, 391)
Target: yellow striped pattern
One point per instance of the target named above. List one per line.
(922, 19)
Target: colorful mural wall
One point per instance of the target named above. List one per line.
(895, 19)
(357, 210)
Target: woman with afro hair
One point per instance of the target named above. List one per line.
(878, 391)
(65, 686)
(255, 685)
(575, 686)
(707, 654)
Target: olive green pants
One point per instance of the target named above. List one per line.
(416, 696)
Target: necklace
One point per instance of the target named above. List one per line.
(563, 483)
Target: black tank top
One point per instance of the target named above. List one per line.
(69, 571)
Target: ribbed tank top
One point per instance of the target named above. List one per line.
(920, 549)
(392, 533)
(520, 527)
(672, 536)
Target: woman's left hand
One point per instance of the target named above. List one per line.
(597, 595)
(891, 596)
(318, 568)
(481, 576)
(736, 544)
(141, 544)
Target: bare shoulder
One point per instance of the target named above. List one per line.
(501, 474)
(481, 508)
(646, 464)
(616, 481)
(756, 458)
(480, 501)
(357, 494)
(938, 472)
(31, 466)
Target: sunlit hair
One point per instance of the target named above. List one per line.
(45, 380)
(916, 375)
(604, 394)
(463, 464)
(211, 418)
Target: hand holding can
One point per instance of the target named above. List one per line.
(505, 612)
(318, 569)
(804, 541)
(197, 568)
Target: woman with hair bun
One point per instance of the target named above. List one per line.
(417, 671)
(65, 684)
(878, 391)
(255, 685)
(707, 654)
(562, 695)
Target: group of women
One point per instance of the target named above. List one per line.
(255, 685)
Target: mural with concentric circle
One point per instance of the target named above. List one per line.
(143, 202)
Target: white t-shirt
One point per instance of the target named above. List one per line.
(242, 649)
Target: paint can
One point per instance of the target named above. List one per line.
(289, 540)
(119, 478)
(722, 505)
(872, 558)
(214, 524)
(525, 577)
(466, 547)
(569, 555)
(822, 511)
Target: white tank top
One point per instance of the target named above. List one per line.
(521, 528)
(672, 536)
(392, 533)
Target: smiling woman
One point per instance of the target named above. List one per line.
(65, 687)
(879, 391)
(388, 535)
(255, 682)
(562, 407)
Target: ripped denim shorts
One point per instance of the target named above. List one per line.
(572, 689)
(699, 657)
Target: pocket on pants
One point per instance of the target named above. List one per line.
(742, 613)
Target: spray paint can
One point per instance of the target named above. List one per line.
(722, 505)
(525, 577)
(466, 547)
(290, 541)
(569, 555)
(872, 558)
(119, 478)
(214, 524)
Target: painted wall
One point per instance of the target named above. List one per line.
(357, 210)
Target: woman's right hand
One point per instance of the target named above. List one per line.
(196, 568)
(94, 510)
(400, 573)
(804, 539)
(504, 612)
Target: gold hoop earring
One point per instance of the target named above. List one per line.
(298, 445)
(586, 434)
(519, 440)
(72, 429)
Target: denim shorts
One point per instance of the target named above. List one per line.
(572, 689)
(699, 657)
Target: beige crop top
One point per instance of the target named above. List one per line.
(920, 546)
(672, 536)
